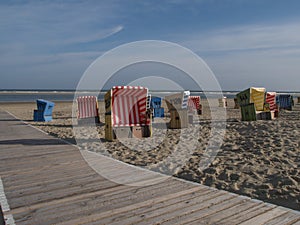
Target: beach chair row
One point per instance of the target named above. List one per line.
(129, 111)
(257, 104)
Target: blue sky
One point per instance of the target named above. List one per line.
(49, 44)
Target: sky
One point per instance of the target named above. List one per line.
(50, 44)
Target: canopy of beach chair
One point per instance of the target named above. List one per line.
(127, 105)
(87, 107)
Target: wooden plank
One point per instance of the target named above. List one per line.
(288, 218)
(13, 181)
(180, 198)
(56, 202)
(159, 214)
(45, 196)
(69, 170)
(218, 217)
(41, 187)
(247, 214)
(106, 202)
(266, 216)
(36, 163)
(121, 172)
(196, 211)
(128, 208)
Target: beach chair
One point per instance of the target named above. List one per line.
(88, 111)
(178, 108)
(155, 102)
(43, 111)
(178, 100)
(194, 105)
(223, 102)
(236, 104)
(126, 113)
(252, 95)
(271, 104)
(285, 101)
(248, 112)
(271, 99)
(156, 108)
(252, 103)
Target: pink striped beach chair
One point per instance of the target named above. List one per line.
(88, 109)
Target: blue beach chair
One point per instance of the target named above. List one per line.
(155, 105)
(285, 101)
(43, 111)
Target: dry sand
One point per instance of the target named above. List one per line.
(260, 159)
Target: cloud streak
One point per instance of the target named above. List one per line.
(246, 38)
(44, 24)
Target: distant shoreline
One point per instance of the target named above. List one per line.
(14, 96)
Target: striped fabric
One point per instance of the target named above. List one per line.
(87, 107)
(129, 105)
(148, 101)
(193, 103)
(258, 98)
(285, 101)
(271, 99)
(186, 95)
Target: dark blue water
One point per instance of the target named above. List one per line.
(33, 96)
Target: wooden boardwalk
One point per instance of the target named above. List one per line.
(47, 181)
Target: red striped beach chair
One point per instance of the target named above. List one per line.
(271, 100)
(87, 109)
(126, 112)
(194, 105)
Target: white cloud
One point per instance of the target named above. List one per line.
(252, 55)
(47, 23)
(250, 37)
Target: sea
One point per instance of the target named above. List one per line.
(69, 95)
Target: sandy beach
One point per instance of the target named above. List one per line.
(260, 159)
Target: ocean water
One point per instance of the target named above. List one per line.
(68, 95)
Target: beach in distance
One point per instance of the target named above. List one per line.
(259, 159)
